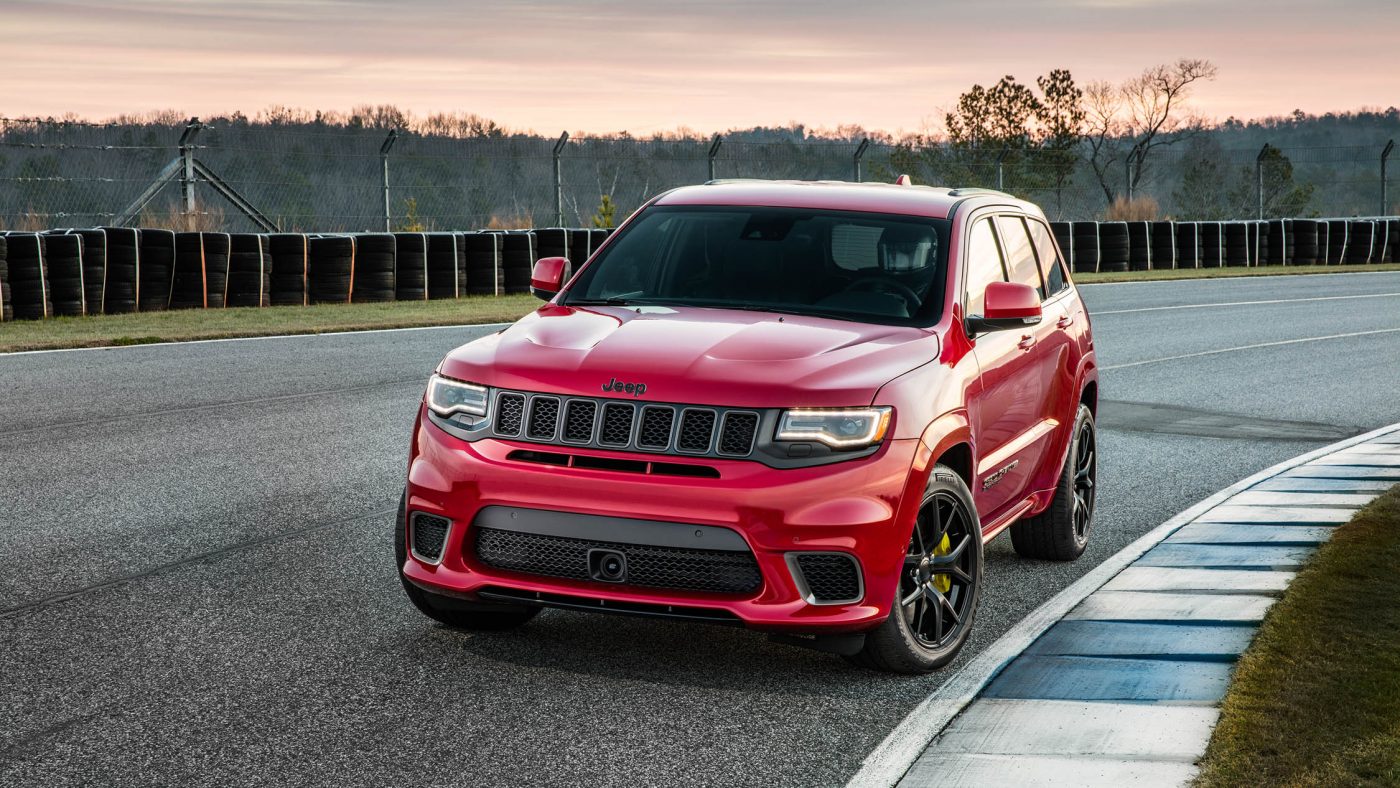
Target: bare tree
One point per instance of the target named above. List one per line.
(1129, 122)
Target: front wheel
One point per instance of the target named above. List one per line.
(939, 586)
(1061, 532)
(455, 613)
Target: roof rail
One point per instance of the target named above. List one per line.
(970, 191)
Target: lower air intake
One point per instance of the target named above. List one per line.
(830, 578)
(428, 534)
(684, 569)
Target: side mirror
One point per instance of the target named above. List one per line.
(1007, 305)
(547, 279)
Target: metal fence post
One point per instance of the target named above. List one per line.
(1001, 171)
(384, 160)
(187, 164)
(860, 151)
(1128, 176)
(1259, 178)
(559, 180)
(1385, 155)
(714, 153)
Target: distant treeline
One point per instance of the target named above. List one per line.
(323, 171)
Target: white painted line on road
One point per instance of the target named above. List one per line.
(1251, 347)
(1098, 313)
(889, 761)
(1220, 280)
(251, 339)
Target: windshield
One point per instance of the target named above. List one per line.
(848, 265)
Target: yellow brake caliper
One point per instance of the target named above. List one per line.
(944, 583)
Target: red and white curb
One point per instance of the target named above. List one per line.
(1117, 678)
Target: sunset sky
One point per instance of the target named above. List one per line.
(655, 65)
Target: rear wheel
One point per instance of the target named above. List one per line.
(1061, 532)
(455, 613)
(939, 587)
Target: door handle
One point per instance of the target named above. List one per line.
(1065, 322)
(1027, 342)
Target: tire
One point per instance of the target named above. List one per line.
(896, 646)
(1139, 246)
(1061, 532)
(63, 264)
(484, 275)
(249, 271)
(375, 266)
(1086, 247)
(288, 276)
(1163, 246)
(187, 289)
(454, 613)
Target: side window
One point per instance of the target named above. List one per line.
(1020, 255)
(984, 264)
(1050, 263)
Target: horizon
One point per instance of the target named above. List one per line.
(601, 67)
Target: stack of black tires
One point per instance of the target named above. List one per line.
(288, 252)
(1086, 247)
(410, 266)
(330, 268)
(123, 270)
(443, 262)
(157, 266)
(249, 271)
(517, 259)
(483, 255)
(7, 307)
(29, 285)
(63, 264)
(374, 268)
(187, 287)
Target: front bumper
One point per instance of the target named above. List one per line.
(864, 507)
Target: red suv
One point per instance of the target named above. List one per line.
(796, 407)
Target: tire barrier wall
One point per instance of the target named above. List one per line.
(114, 270)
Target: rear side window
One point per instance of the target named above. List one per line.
(1021, 264)
(1050, 263)
(984, 264)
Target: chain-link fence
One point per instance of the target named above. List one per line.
(236, 175)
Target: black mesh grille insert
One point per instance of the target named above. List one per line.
(696, 428)
(617, 424)
(737, 433)
(510, 414)
(429, 532)
(830, 578)
(655, 432)
(653, 567)
(544, 417)
(578, 420)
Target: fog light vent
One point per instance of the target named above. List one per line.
(827, 578)
(427, 536)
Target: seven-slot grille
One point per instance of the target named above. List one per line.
(636, 426)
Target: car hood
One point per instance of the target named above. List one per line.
(694, 355)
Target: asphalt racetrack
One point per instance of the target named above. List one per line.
(198, 586)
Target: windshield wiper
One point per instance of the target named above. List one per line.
(614, 301)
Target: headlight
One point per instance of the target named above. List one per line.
(839, 428)
(447, 396)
